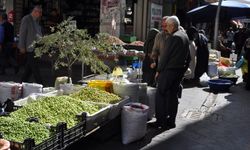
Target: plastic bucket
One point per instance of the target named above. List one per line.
(101, 84)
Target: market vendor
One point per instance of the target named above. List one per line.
(225, 51)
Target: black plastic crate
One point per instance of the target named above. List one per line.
(75, 133)
(54, 142)
(134, 47)
(60, 139)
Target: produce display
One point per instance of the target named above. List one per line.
(229, 76)
(214, 55)
(225, 62)
(114, 40)
(14, 129)
(226, 71)
(137, 43)
(96, 95)
(52, 110)
(49, 111)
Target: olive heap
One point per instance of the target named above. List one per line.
(49, 111)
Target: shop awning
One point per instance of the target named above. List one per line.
(229, 10)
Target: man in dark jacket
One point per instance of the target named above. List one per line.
(174, 62)
(30, 30)
(7, 51)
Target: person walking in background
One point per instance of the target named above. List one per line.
(202, 55)
(174, 63)
(239, 39)
(7, 40)
(54, 19)
(30, 30)
(230, 37)
(149, 64)
(191, 32)
(2, 57)
(221, 47)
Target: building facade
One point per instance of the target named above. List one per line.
(117, 17)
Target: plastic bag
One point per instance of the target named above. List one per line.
(66, 88)
(240, 62)
(61, 80)
(212, 69)
(9, 90)
(29, 88)
(134, 122)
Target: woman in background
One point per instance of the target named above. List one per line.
(247, 57)
(191, 32)
(149, 64)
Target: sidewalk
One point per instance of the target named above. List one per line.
(205, 121)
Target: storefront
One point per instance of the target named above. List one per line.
(7, 6)
(117, 17)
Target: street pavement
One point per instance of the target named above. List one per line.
(205, 120)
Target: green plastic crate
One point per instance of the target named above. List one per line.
(128, 38)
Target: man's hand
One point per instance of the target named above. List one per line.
(153, 65)
(156, 75)
(4, 144)
(22, 50)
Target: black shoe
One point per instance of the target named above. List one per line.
(2, 73)
(155, 124)
(16, 69)
(169, 126)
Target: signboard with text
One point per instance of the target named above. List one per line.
(111, 14)
(156, 16)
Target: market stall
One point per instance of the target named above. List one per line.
(222, 71)
(41, 120)
(47, 118)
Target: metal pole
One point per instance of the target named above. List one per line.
(216, 26)
(82, 69)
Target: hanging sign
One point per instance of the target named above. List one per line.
(156, 16)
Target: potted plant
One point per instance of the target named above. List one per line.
(67, 45)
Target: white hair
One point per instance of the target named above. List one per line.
(174, 20)
(165, 17)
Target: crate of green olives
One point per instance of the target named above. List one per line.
(32, 136)
(30, 126)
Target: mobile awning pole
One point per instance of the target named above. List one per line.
(216, 26)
